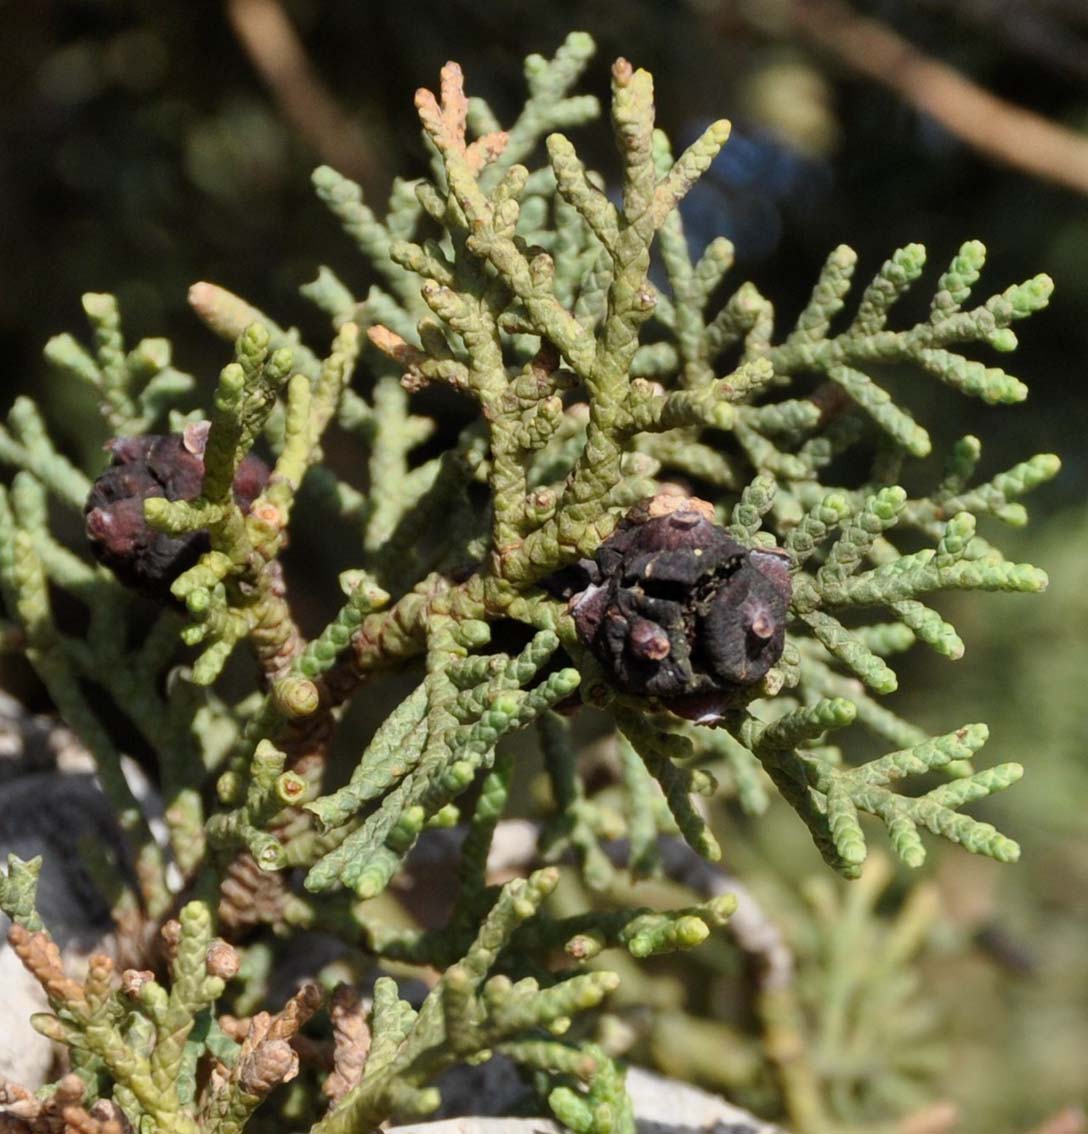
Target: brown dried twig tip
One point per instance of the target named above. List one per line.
(41, 958)
(351, 1042)
(622, 71)
(171, 938)
(296, 1012)
(132, 980)
(445, 120)
(22, 1112)
(401, 352)
(268, 1057)
(103, 1118)
(392, 345)
(223, 960)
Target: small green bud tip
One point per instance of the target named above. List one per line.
(566, 681)
(282, 360)
(155, 508)
(607, 982)
(973, 253)
(560, 1025)
(198, 601)
(721, 908)
(837, 712)
(1047, 465)
(836, 505)
(457, 977)
(229, 788)
(505, 704)
(290, 788)
(888, 502)
(691, 931)
(98, 305)
(368, 887)
(702, 782)
(583, 946)
(232, 380)
(412, 819)
(296, 696)
(974, 735)
(254, 338)
(154, 353)
(446, 817)
(272, 857)
(472, 633)
(884, 680)
(543, 882)
(268, 755)
(462, 773)
(429, 1099)
(1007, 851)
(1031, 296)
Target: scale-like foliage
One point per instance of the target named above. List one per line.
(531, 294)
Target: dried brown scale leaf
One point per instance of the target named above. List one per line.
(171, 937)
(236, 1027)
(445, 120)
(79, 1121)
(223, 960)
(351, 1042)
(312, 1052)
(41, 957)
(265, 1060)
(107, 1111)
(24, 1113)
(132, 980)
(296, 1012)
(16, 1098)
(250, 896)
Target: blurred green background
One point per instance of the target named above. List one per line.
(150, 144)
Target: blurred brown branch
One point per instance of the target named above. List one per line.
(1045, 31)
(270, 41)
(992, 125)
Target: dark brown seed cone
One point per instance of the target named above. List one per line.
(172, 466)
(675, 608)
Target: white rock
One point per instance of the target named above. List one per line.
(661, 1106)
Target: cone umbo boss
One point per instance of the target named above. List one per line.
(674, 607)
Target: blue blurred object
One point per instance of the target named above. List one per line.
(755, 180)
